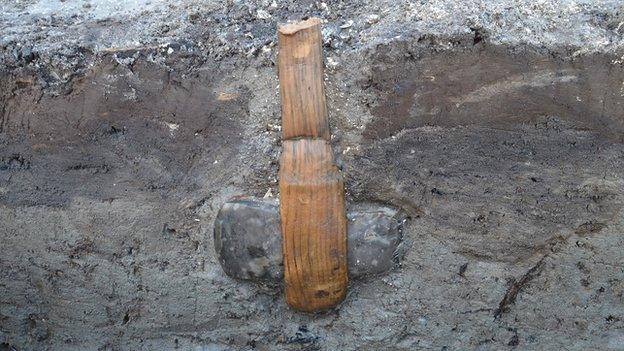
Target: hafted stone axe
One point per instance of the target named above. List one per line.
(312, 206)
(314, 225)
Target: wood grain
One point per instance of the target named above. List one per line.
(312, 208)
(314, 225)
(300, 69)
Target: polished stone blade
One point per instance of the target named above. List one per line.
(249, 244)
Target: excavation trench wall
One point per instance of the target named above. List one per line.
(508, 159)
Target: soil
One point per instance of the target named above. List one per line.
(498, 126)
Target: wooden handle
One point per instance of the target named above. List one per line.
(300, 69)
(314, 226)
(312, 207)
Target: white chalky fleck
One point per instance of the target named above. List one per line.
(331, 62)
(262, 14)
(172, 127)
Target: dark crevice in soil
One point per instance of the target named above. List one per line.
(516, 286)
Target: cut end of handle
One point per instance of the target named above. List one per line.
(293, 28)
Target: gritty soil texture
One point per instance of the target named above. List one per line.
(496, 125)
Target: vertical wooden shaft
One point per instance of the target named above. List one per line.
(300, 69)
(312, 208)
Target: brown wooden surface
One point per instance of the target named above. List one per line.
(312, 208)
(300, 68)
(314, 225)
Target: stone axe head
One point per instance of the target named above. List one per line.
(307, 239)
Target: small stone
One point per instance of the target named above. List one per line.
(372, 19)
(248, 239)
(347, 24)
